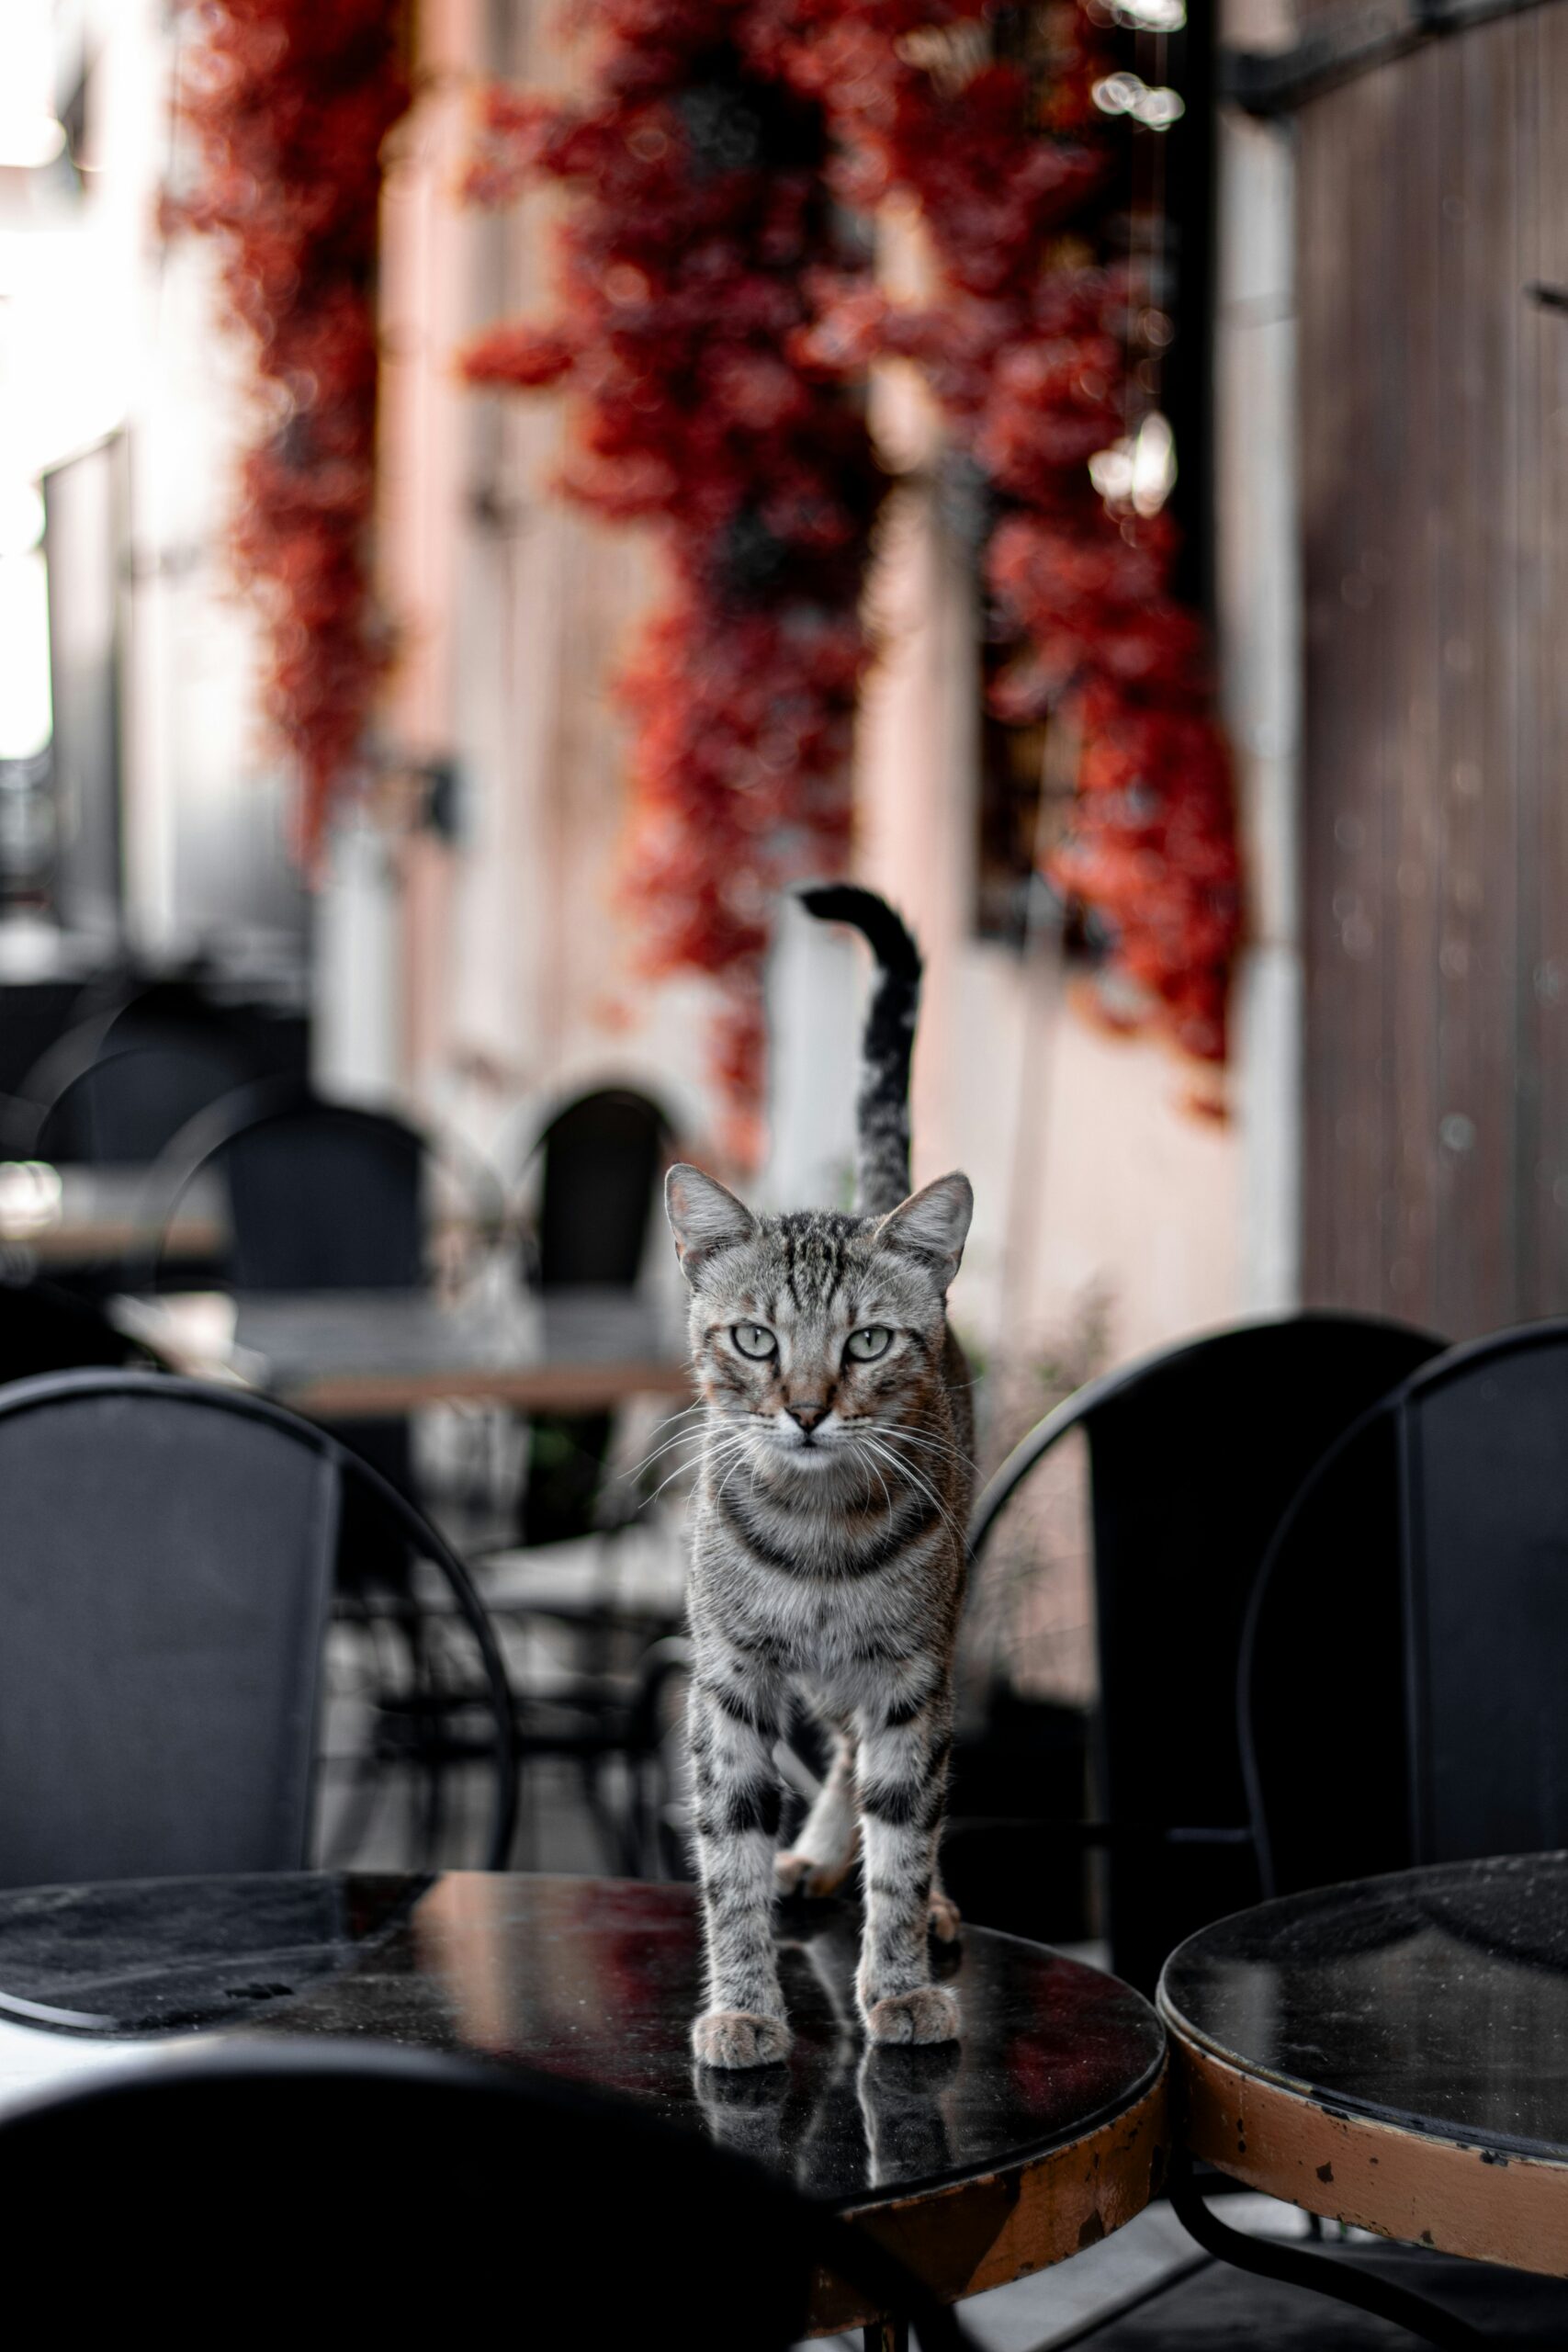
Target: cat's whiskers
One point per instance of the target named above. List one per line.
(712, 1442)
(928, 1441)
(939, 1456)
(921, 1486)
(868, 1464)
(744, 1455)
(687, 1437)
(681, 1437)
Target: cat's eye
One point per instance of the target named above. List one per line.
(754, 1340)
(867, 1345)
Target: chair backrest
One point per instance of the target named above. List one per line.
(597, 2223)
(1193, 1455)
(130, 1099)
(165, 1577)
(322, 1195)
(1405, 1656)
(602, 1155)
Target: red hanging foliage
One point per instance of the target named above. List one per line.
(703, 218)
(1029, 348)
(291, 101)
(716, 325)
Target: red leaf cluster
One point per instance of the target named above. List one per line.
(704, 217)
(289, 101)
(715, 324)
(1029, 348)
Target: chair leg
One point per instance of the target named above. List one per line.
(1318, 2272)
(887, 2335)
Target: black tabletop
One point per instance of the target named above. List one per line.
(1436, 2001)
(594, 1978)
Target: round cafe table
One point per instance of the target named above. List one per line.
(1034, 2136)
(1392, 2053)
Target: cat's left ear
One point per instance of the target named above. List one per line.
(703, 1216)
(934, 1222)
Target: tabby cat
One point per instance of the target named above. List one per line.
(828, 1547)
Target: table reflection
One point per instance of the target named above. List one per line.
(598, 1981)
(1437, 1999)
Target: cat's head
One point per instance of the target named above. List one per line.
(813, 1331)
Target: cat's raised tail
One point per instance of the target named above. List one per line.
(882, 1105)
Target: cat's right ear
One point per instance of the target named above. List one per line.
(703, 1216)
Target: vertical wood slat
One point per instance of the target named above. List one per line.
(1434, 402)
(1409, 568)
(1545, 337)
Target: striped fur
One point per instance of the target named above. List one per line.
(828, 1557)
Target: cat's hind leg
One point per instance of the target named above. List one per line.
(824, 1852)
(944, 1914)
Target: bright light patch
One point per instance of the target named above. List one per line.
(1155, 109)
(29, 142)
(1151, 16)
(26, 709)
(1140, 472)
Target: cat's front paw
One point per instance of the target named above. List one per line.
(927, 2014)
(800, 1874)
(739, 2038)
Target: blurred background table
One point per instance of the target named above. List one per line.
(1038, 2133)
(72, 1218)
(1392, 2054)
(381, 1354)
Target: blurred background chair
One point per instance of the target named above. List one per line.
(602, 1160)
(167, 1577)
(131, 1071)
(322, 1195)
(326, 1196)
(126, 1103)
(598, 1692)
(331, 1196)
(626, 2227)
(1193, 1455)
(1406, 1651)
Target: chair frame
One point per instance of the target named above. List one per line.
(1454, 1364)
(51, 1388)
(204, 1140)
(68, 1066)
(1124, 1836)
(1003, 1484)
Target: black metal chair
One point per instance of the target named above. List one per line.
(1193, 1454)
(325, 1196)
(165, 1584)
(1416, 1597)
(107, 1098)
(322, 1195)
(1399, 1701)
(1258, 2292)
(602, 1158)
(583, 2215)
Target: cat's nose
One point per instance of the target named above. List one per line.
(807, 1416)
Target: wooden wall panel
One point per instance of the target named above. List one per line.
(1434, 403)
